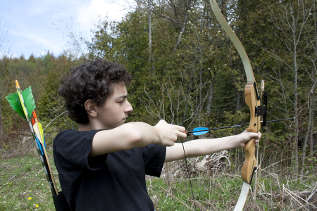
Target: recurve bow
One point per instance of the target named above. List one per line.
(253, 100)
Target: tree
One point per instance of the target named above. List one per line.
(294, 27)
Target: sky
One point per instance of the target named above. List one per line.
(40, 26)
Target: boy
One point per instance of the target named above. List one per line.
(102, 166)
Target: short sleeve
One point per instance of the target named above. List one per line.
(72, 149)
(154, 157)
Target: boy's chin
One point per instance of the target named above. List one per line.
(120, 123)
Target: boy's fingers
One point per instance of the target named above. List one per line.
(179, 128)
(255, 135)
(181, 134)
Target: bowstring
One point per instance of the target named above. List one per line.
(257, 150)
(188, 173)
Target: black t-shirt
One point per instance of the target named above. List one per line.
(114, 181)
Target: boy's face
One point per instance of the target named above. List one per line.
(116, 109)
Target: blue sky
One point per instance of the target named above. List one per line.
(38, 26)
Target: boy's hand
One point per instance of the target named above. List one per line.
(168, 133)
(246, 136)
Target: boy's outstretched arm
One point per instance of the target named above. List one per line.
(135, 134)
(199, 147)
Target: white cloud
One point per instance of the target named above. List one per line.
(88, 16)
(37, 26)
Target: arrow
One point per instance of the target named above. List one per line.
(23, 103)
(198, 131)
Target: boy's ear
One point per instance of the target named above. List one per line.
(91, 108)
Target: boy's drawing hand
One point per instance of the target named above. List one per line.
(169, 133)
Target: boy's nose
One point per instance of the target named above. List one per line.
(129, 108)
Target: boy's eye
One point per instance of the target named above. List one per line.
(121, 100)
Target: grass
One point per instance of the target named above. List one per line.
(23, 186)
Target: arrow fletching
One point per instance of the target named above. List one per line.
(198, 131)
(17, 105)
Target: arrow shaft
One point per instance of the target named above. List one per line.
(38, 139)
(235, 126)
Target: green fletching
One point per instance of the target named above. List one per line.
(14, 102)
(29, 102)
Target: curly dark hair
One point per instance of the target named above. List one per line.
(91, 80)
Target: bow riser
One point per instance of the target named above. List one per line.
(250, 163)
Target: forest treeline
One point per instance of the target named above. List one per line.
(185, 70)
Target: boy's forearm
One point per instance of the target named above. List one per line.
(145, 134)
(124, 137)
(199, 147)
(207, 146)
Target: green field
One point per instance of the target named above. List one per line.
(23, 186)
